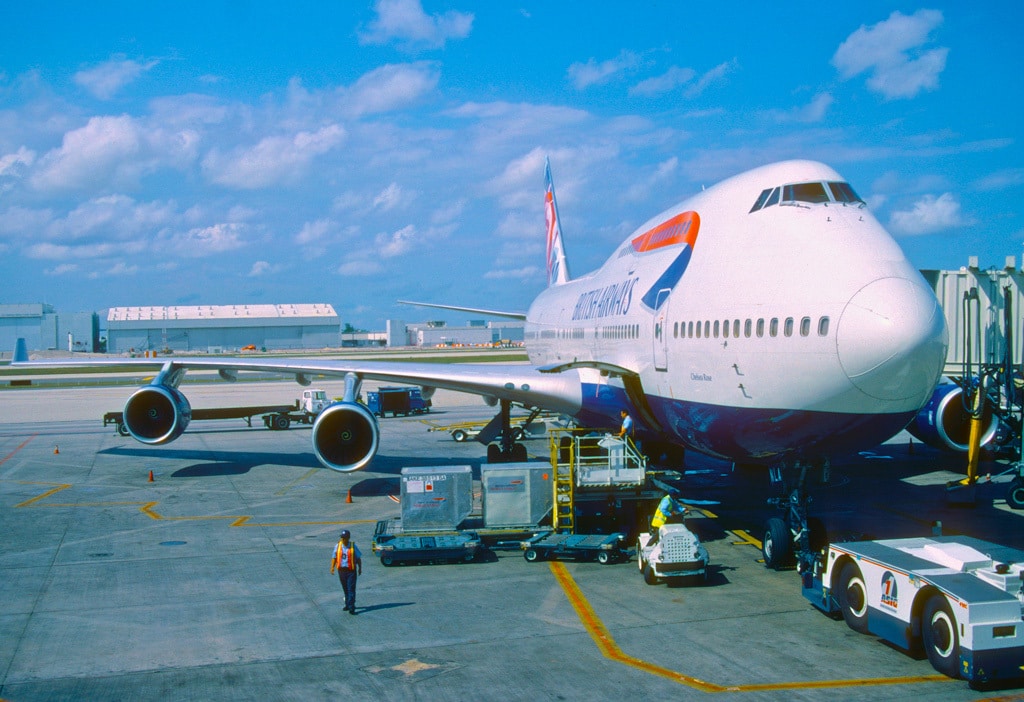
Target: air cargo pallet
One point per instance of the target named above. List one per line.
(395, 546)
(603, 548)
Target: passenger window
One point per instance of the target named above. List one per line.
(707, 330)
(805, 326)
(747, 327)
(760, 328)
(823, 326)
(698, 330)
(675, 330)
(716, 328)
(788, 328)
(736, 328)
(725, 329)
(773, 327)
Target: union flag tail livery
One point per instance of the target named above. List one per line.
(558, 271)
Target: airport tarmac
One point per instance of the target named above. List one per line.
(211, 581)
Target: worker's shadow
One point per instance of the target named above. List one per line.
(385, 605)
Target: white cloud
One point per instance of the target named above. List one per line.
(673, 78)
(928, 215)
(359, 267)
(12, 164)
(396, 244)
(206, 241)
(106, 79)
(405, 21)
(584, 75)
(388, 198)
(314, 231)
(892, 52)
(390, 87)
(274, 160)
(524, 273)
(810, 113)
(260, 268)
(62, 269)
(715, 75)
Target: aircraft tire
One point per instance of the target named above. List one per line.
(853, 598)
(776, 547)
(1015, 497)
(938, 632)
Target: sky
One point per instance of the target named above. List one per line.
(357, 154)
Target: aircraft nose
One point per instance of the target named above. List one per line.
(892, 340)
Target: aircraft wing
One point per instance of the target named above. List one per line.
(524, 384)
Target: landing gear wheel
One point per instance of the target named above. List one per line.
(776, 547)
(604, 558)
(853, 598)
(938, 631)
(459, 435)
(531, 555)
(1015, 497)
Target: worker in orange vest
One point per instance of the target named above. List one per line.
(348, 561)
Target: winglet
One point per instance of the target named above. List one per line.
(20, 351)
(558, 270)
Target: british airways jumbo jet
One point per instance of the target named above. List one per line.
(769, 319)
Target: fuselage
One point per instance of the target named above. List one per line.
(769, 316)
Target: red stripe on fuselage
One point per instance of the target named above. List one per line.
(681, 229)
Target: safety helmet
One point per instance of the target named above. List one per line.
(345, 534)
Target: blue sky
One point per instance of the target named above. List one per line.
(361, 153)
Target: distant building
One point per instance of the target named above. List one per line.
(476, 332)
(44, 329)
(215, 328)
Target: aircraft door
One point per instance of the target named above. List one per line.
(660, 336)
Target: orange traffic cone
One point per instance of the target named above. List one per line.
(348, 497)
(56, 449)
(150, 476)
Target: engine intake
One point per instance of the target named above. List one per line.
(157, 414)
(945, 422)
(345, 437)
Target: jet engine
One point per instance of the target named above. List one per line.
(157, 414)
(345, 436)
(945, 422)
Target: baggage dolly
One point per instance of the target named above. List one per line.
(604, 548)
(424, 547)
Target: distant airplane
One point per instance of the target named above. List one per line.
(769, 319)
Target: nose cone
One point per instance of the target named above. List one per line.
(892, 341)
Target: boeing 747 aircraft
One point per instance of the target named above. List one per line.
(769, 319)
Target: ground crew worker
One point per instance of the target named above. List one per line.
(348, 561)
(627, 425)
(667, 508)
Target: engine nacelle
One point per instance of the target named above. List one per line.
(157, 414)
(945, 422)
(345, 437)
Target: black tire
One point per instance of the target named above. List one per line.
(1015, 497)
(387, 559)
(649, 577)
(459, 435)
(122, 429)
(777, 546)
(604, 557)
(852, 594)
(282, 422)
(531, 555)
(939, 635)
(519, 453)
(469, 557)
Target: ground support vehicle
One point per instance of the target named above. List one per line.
(676, 557)
(246, 413)
(603, 548)
(397, 400)
(305, 411)
(395, 546)
(960, 599)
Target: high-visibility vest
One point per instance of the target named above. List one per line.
(350, 560)
(666, 508)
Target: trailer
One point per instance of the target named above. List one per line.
(395, 546)
(397, 400)
(603, 548)
(246, 413)
(959, 598)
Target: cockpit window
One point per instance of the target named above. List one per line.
(813, 193)
(805, 192)
(842, 192)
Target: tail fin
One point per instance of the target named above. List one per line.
(558, 270)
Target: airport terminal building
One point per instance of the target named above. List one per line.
(217, 328)
(43, 328)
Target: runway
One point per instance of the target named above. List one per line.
(211, 581)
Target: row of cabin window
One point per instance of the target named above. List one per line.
(716, 329)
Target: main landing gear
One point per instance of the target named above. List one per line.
(795, 537)
(508, 450)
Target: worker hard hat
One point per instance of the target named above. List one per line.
(345, 534)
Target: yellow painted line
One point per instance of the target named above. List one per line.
(745, 538)
(289, 486)
(37, 498)
(609, 649)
